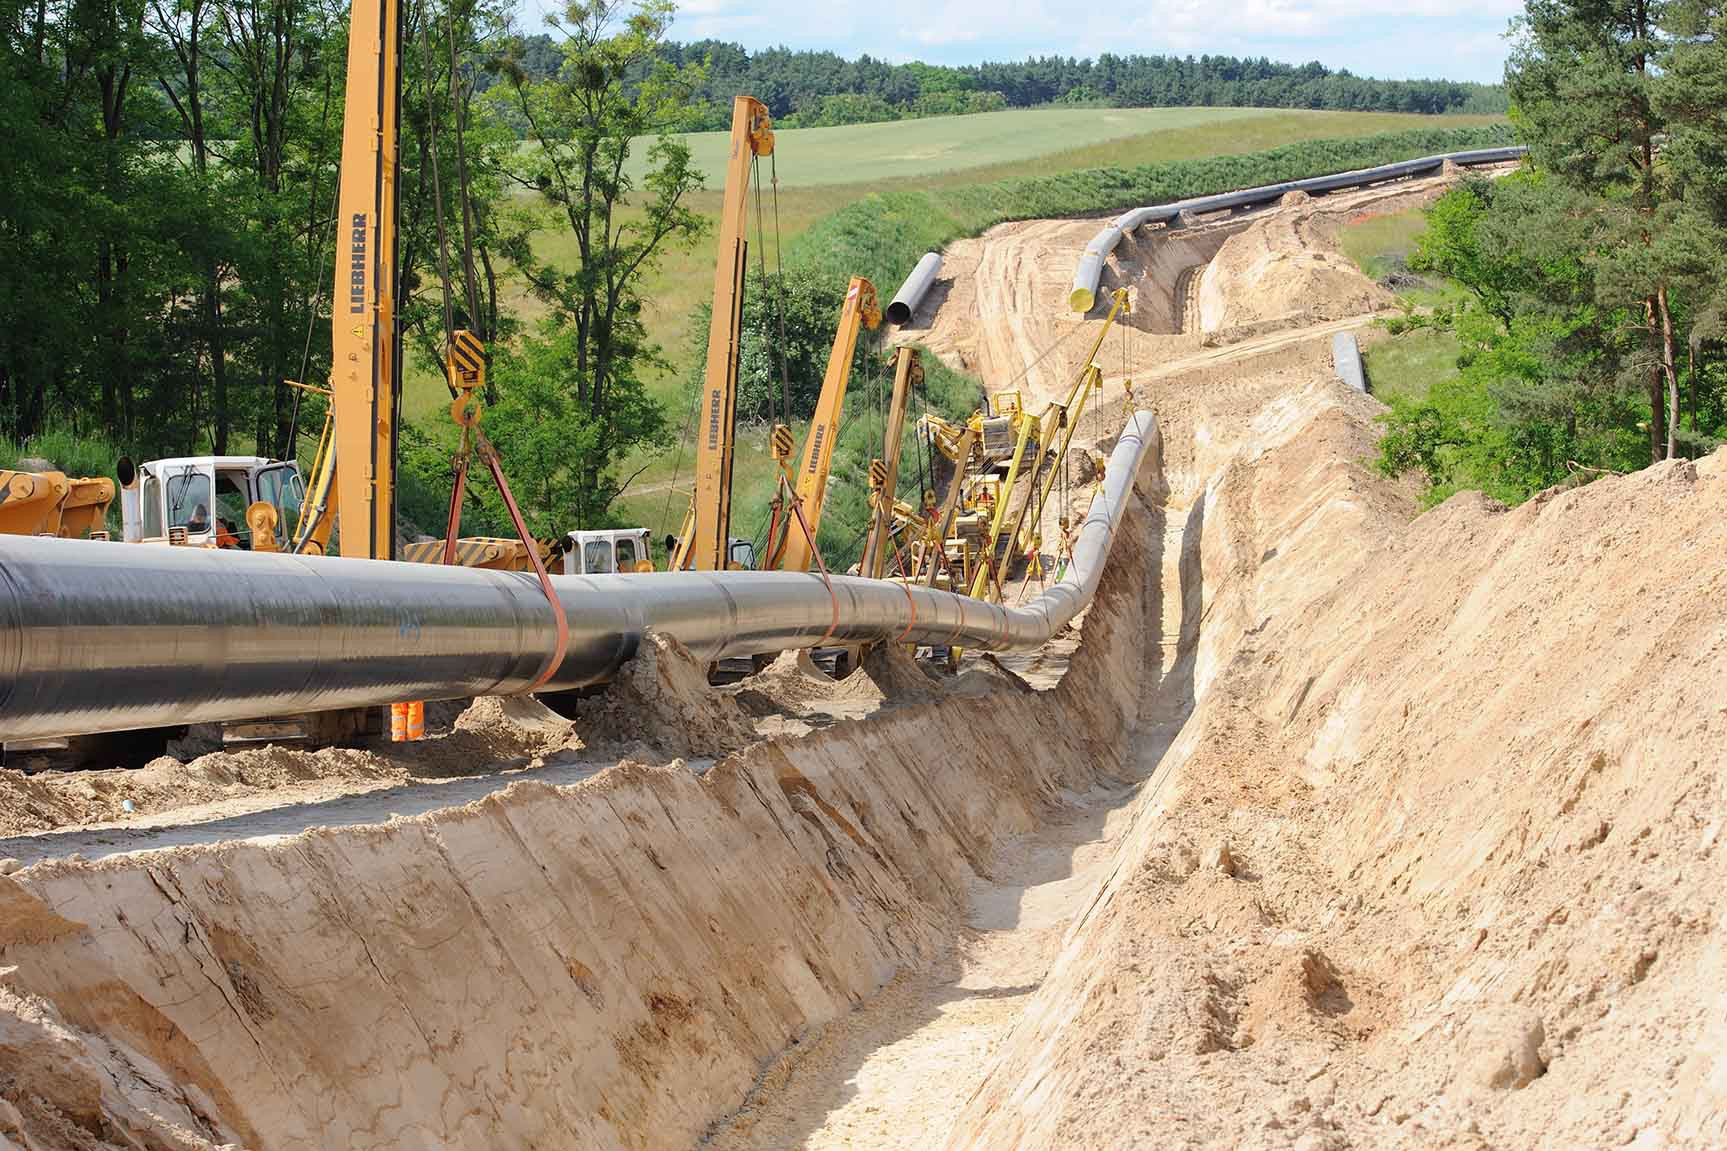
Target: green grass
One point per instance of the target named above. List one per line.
(1381, 245)
(1408, 365)
(1027, 141)
(1405, 365)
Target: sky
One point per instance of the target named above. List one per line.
(1392, 39)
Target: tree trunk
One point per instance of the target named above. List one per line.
(1657, 397)
(218, 353)
(1670, 370)
(1692, 365)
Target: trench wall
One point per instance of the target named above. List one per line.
(608, 964)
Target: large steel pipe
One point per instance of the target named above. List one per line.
(109, 637)
(1085, 276)
(912, 292)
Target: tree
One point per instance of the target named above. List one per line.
(1587, 79)
(613, 88)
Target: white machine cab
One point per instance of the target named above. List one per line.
(605, 551)
(206, 497)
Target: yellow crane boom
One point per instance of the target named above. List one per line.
(365, 375)
(797, 548)
(702, 544)
(907, 374)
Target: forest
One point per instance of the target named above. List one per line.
(815, 89)
(1595, 320)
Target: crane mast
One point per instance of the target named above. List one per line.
(357, 474)
(703, 543)
(859, 309)
(907, 374)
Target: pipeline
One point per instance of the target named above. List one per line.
(1346, 360)
(916, 286)
(113, 637)
(1086, 275)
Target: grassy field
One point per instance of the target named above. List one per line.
(1029, 141)
(823, 170)
(1405, 365)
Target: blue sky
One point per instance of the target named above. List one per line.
(1453, 39)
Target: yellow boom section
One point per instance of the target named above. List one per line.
(907, 374)
(365, 375)
(702, 542)
(858, 309)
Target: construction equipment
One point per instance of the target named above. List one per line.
(209, 501)
(366, 341)
(605, 551)
(884, 472)
(704, 542)
(1006, 464)
(226, 636)
(53, 503)
(797, 508)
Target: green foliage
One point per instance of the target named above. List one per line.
(1546, 384)
(1514, 419)
(1620, 106)
(1597, 328)
(573, 401)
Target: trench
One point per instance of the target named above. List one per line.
(608, 959)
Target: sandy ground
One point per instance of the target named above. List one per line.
(1335, 827)
(897, 1070)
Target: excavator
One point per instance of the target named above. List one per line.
(48, 502)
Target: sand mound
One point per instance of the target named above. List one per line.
(1472, 789)
(1278, 270)
(489, 734)
(660, 703)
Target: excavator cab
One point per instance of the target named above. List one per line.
(201, 501)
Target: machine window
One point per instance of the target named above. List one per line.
(281, 486)
(627, 555)
(189, 502)
(597, 557)
(152, 501)
(231, 527)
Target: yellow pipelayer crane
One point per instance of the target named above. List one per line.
(798, 507)
(884, 473)
(704, 542)
(356, 465)
(992, 454)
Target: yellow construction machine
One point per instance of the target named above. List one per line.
(704, 543)
(1006, 462)
(797, 507)
(51, 503)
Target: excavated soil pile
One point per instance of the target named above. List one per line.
(1274, 272)
(487, 734)
(660, 704)
(1436, 860)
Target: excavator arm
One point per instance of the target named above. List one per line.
(908, 373)
(702, 544)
